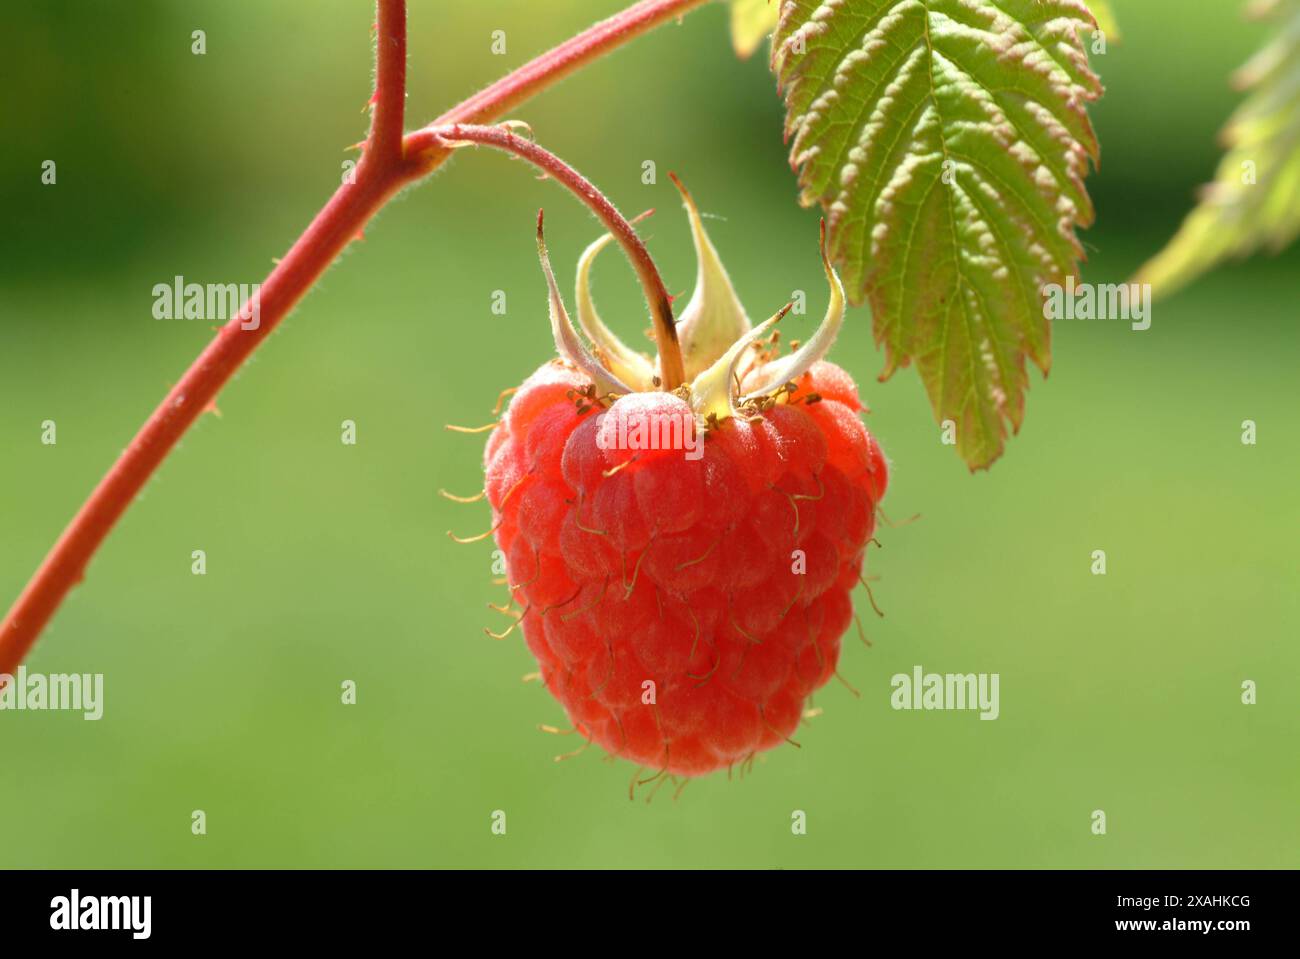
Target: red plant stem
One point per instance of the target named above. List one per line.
(385, 168)
(387, 121)
(671, 369)
(554, 65)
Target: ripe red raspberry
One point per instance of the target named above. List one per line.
(684, 560)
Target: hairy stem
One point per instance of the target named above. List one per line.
(387, 123)
(385, 168)
(672, 370)
(554, 65)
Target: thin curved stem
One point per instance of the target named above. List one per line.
(382, 172)
(556, 64)
(672, 371)
(387, 123)
(550, 68)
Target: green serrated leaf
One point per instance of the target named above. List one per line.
(947, 141)
(1254, 202)
(752, 22)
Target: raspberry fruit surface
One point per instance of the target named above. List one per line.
(723, 581)
(682, 558)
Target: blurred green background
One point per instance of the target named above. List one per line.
(329, 562)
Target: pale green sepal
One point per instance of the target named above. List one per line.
(789, 368)
(714, 391)
(714, 318)
(626, 363)
(567, 342)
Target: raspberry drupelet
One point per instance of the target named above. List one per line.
(684, 560)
